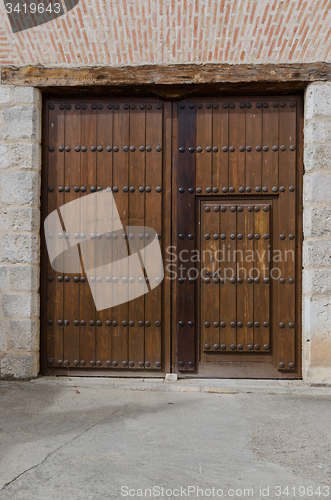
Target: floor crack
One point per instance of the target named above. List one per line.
(62, 446)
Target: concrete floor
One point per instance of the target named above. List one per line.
(87, 440)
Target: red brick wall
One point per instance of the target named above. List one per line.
(120, 32)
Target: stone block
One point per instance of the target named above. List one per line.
(24, 335)
(21, 123)
(318, 132)
(22, 305)
(5, 94)
(16, 366)
(317, 221)
(26, 95)
(20, 248)
(26, 155)
(316, 281)
(4, 156)
(317, 157)
(317, 317)
(25, 219)
(3, 278)
(318, 100)
(316, 253)
(3, 336)
(20, 187)
(23, 278)
(316, 187)
(4, 219)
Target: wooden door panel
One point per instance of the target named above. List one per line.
(248, 156)
(93, 145)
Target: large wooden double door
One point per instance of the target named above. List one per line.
(216, 182)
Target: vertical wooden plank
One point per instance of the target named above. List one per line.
(137, 218)
(287, 236)
(120, 313)
(56, 125)
(103, 243)
(153, 219)
(210, 280)
(228, 289)
(245, 289)
(167, 224)
(237, 148)
(70, 287)
(270, 147)
(220, 175)
(88, 213)
(254, 151)
(261, 279)
(185, 294)
(204, 137)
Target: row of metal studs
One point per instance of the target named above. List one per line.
(108, 364)
(108, 279)
(108, 322)
(67, 149)
(115, 189)
(232, 189)
(233, 347)
(232, 149)
(109, 106)
(242, 105)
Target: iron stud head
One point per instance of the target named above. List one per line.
(266, 347)
(224, 190)
(281, 324)
(92, 363)
(207, 347)
(190, 190)
(291, 365)
(233, 347)
(182, 150)
(208, 189)
(181, 364)
(190, 364)
(281, 364)
(250, 347)
(258, 189)
(250, 324)
(257, 347)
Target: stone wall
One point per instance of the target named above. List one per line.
(317, 235)
(20, 165)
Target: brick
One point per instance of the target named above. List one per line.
(23, 335)
(16, 366)
(317, 221)
(21, 123)
(21, 305)
(23, 278)
(20, 248)
(20, 187)
(25, 219)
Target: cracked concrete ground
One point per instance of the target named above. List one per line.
(79, 441)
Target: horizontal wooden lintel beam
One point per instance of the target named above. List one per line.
(172, 74)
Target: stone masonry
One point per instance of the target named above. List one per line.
(317, 235)
(20, 165)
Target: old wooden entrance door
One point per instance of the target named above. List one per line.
(217, 181)
(238, 170)
(91, 147)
